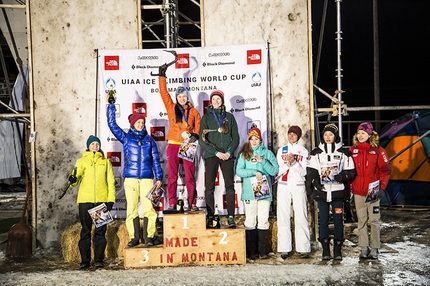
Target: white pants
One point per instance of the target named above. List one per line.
(296, 193)
(257, 214)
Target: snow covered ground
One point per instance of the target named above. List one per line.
(403, 261)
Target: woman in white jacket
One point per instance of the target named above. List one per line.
(292, 161)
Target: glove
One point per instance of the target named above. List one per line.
(111, 97)
(72, 179)
(317, 185)
(194, 137)
(162, 70)
(338, 178)
(380, 194)
(109, 206)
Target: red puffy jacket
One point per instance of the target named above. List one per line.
(371, 164)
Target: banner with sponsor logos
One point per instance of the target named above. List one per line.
(239, 71)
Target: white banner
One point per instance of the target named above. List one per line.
(239, 71)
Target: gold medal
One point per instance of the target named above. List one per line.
(186, 124)
(140, 143)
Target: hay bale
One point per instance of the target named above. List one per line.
(117, 239)
(273, 237)
(116, 236)
(69, 243)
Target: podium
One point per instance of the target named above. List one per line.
(188, 242)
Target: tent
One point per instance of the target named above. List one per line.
(407, 142)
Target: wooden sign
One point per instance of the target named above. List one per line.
(188, 242)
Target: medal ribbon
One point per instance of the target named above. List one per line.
(185, 116)
(217, 119)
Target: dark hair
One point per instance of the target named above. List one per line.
(246, 151)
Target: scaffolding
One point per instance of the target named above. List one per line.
(176, 25)
(338, 106)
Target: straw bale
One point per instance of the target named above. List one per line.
(116, 236)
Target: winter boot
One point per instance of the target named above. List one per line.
(373, 254)
(338, 243)
(364, 252)
(325, 242)
(263, 236)
(135, 240)
(251, 244)
(144, 230)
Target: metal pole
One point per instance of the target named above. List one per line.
(377, 95)
(166, 14)
(339, 64)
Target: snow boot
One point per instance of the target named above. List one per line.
(325, 242)
(135, 240)
(251, 243)
(338, 243)
(373, 254)
(364, 252)
(263, 236)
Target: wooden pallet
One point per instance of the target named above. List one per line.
(188, 242)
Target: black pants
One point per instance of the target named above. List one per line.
(227, 169)
(85, 241)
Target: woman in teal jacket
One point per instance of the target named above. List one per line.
(256, 165)
(96, 179)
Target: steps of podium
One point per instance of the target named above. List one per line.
(188, 242)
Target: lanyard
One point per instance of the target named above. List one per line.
(186, 116)
(219, 123)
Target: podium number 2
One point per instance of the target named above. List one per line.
(223, 239)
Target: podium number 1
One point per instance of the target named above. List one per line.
(184, 218)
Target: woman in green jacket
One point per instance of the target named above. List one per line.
(96, 179)
(256, 165)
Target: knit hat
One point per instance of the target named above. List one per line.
(254, 132)
(92, 139)
(333, 129)
(366, 127)
(296, 130)
(219, 93)
(182, 90)
(132, 118)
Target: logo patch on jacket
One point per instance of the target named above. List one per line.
(337, 157)
(376, 210)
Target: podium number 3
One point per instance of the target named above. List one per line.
(145, 257)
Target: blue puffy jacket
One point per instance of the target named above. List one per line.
(141, 158)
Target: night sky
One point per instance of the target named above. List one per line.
(404, 30)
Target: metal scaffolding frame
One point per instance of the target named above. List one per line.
(339, 107)
(169, 18)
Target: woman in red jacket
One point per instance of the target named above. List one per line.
(373, 172)
(184, 119)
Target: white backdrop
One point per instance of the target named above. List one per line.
(239, 71)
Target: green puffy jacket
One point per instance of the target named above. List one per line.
(96, 179)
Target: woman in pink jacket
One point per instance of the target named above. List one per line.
(373, 172)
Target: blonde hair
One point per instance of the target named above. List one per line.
(373, 139)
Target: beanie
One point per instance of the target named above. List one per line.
(296, 130)
(333, 129)
(182, 90)
(92, 139)
(132, 118)
(219, 93)
(366, 127)
(254, 132)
